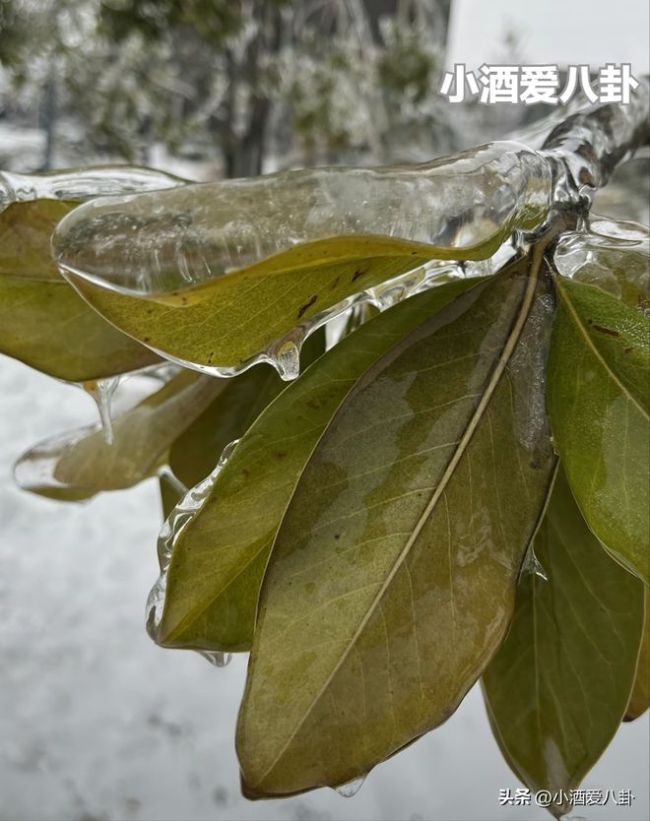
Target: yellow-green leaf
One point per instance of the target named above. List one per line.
(80, 464)
(43, 320)
(392, 579)
(197, 450)
(216, 569)
(228, 322)
(221, 273)
(558, 687)
(640, 698)
(598, 401)
(172, 491)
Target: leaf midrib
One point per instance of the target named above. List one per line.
(512, 340)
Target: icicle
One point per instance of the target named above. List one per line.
(216, 657)
(102, 391)
(350, 789)
(286, 360)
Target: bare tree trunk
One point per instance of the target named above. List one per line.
(49, 116)
(244, 157)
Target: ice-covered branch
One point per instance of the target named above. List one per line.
(592, 142)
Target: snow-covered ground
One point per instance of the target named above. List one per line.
(97, 723)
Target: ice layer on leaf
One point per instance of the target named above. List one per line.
(43, 321)
(222, 273)
(82, 183)
(613, 255)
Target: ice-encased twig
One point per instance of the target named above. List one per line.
(592, 142)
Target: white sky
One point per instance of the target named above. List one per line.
(552, 31)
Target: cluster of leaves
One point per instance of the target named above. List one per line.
(377, 537)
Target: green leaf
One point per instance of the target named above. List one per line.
(598, 401)
(197, 450)
(640, 698)
(43, 320)
(218, 559)
(558, 687)
(229, 321)
(392, 579)
(172, 491)
(80, 464)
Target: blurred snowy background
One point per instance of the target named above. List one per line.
(95, 721)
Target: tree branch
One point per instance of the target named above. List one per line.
(591, 143)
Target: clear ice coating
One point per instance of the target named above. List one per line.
(102, 391)
(350, 789)
(593, 141)
(613, 255)
(82, 184)
(216, 657)
(156, 246)
(177, 521)
(152, 244)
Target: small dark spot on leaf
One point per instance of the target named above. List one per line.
(307, 305)
(280, 454)
(146, 338)
(335, 283)
(337, 536)
(359, 273)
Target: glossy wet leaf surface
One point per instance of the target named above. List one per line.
(228, 322)
(82, 463)
(558, 687)
(197, 450)
(598, 401)
(43, 320)
(219, 558)
(640, 698)
(392, 579)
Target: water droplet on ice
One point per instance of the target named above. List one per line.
(350, 789)
(287, 360)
